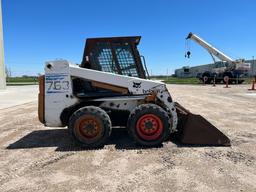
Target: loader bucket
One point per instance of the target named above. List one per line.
(195, 129)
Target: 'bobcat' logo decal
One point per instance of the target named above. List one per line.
(136, 85)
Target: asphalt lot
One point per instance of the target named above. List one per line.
(37, 158)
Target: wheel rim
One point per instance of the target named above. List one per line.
(149, 127)
(205, 78)
(88, 128)
(226, 79)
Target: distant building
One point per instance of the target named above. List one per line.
(187, 71)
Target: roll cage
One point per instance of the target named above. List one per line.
(114, 54)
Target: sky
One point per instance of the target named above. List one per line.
(36, 31)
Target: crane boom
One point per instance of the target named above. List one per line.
(211, 49)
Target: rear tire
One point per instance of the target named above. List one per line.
(206, 78)
(230, 77)
(90, 126)
(148, 125)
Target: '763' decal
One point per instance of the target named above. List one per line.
(57, 83)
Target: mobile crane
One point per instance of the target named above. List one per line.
(109, 89)
(233, 69)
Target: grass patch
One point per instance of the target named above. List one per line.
(21, 83)
(177, 80)
(21, 79)
(16, 81)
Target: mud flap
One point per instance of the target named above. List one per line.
(195, 129)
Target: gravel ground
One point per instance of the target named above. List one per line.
(37, 158)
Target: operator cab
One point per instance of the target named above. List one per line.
(117, 55)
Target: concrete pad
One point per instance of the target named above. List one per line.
(17, 95)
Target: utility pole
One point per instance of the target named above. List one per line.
(2, 68)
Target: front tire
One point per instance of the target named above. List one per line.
(90, 126)
(148, 125)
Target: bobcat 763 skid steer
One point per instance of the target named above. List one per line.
(110, 88)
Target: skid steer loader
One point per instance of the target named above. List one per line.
(109, 89)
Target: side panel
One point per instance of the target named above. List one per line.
(58, 91)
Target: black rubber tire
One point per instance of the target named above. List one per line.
(148, 109)
(229, 75)
(229, 80)
(208, 81)
(101, 119)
